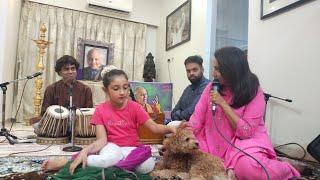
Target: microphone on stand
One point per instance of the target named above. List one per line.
(70, 103)
(72, 108)
(215, 87)
(70, 92)
(35, 75)
(3, 86)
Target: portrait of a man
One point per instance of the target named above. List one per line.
(94, 61)
(178, 26)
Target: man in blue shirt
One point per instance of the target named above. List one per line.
(190, 96)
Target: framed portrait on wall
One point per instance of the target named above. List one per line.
(93, 56)
(178, 26)
(274, 7)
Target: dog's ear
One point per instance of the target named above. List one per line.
(173, 143)
(165, 142)
(170, 144)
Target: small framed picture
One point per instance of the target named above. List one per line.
(274, 7)
(93, 57)
(178, 26)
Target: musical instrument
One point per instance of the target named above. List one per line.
(85, 133)
(148, 137)
(53, 126)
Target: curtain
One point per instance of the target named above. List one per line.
(64, 27)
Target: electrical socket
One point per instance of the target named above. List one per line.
(170, 60)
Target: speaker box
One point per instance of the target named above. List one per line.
(314, 148)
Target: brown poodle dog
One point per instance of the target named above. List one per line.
(182, 159)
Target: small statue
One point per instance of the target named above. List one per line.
(149, 70)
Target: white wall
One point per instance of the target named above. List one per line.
(200, 29)
(284, 53)
(9, 19)
(151, 41)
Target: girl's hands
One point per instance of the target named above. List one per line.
(82, 158)
(172, 129)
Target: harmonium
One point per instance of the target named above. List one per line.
(148, 137)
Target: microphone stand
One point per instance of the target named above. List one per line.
(267, 97)
(4, 132)
(72, 109)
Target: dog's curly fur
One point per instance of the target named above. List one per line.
(182, 159)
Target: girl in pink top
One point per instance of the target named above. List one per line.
(239, 119)
(117, 121)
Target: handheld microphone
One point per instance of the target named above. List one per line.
(35, 75)
(215, 87)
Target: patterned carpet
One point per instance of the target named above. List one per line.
(24, 158)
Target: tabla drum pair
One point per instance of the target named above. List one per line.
(53, 127)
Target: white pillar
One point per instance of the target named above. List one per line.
(10, 11)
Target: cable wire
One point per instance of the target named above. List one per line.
(215, 124)
(30, 151)
(282, 154)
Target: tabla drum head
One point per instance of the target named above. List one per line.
(84, 111)
(58, 112)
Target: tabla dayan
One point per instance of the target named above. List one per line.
(53, 126)
(85, 133)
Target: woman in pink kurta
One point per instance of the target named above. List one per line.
(239, 118)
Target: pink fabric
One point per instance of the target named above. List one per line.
(248, 169)
(135, 158)
(250, 134)
(121, 124)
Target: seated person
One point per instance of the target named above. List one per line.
(117, 121)
(190, 96)
(58, 92)
(95, 66)
(237, 118)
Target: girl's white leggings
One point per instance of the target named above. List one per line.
(111, 154)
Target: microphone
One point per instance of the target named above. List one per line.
(215, 87)
(35, 75)
(71, 87)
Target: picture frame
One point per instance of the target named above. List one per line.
(100, 54)
(157, 93)
(271, 8)
(178, 26)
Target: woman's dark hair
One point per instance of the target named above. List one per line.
(64, 60)
(108, 77)
(234, 68)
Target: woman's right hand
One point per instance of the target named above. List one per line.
(82, 158)
(216, 98)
